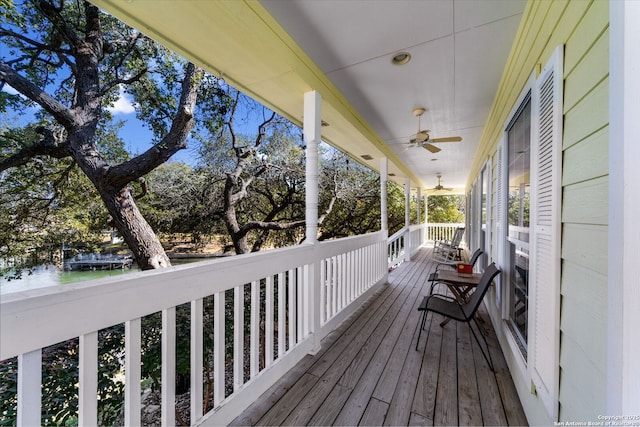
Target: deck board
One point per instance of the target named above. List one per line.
(446, 411)
(369, 373)
(468, 410)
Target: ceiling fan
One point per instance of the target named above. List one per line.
(439, 187)
(424, 140)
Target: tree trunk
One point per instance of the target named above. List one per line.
(239, 238)
(137, 233)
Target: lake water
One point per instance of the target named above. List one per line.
(50, 275)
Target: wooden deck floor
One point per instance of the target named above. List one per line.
(369, 373)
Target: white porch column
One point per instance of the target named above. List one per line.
(407, 219)
(312, 124)
(384, 176)
(623, 369)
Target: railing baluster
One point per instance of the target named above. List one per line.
(360, 274)
(292, 308)
(268, 322)
(255, 329)
(306, 282)
(196, 359)
(334, 285)
(349, 267)
(364, 272)
(282, 333)
(238, 337)
(324, 291)
(30, 388)
(300, 305)
(88, 380)
(168, 411)
(218, 347)
(132, 371)
(343, 280)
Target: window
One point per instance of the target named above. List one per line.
(518, 197)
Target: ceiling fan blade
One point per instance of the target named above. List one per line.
(448, 139)
(431, 148)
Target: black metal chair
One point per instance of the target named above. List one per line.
(461, 311)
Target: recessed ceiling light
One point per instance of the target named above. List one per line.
(434, 159)
(400, 58)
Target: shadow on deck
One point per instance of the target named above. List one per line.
(369, 373)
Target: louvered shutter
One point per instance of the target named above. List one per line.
(500, 238)
(544, 275)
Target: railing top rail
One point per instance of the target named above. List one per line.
(398, 233)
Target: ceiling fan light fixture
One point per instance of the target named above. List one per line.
(401, 58)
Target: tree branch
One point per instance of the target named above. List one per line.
(36, 44)
(117, 81)
(47, 146)
(53, 14)
(60, 112)
(261, 129)
(175, 140)
(264, 225)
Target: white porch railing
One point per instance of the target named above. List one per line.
(441, 231)
(295, 297)
(408, 237)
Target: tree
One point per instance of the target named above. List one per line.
(353, 190)
(44, 205)
(261, 175)
(72, 61)
(449, 208)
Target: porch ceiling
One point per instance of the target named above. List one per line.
(275, 50)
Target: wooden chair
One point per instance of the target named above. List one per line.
(448, 250)
(461, 311)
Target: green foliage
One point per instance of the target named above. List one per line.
(8, 391)
(516, 215)
(446, 209)
(179, 200)
(395, 207)
(44, 204)
(356, 190)
(60, 378)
